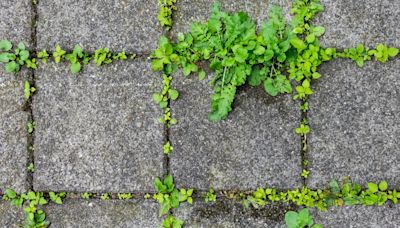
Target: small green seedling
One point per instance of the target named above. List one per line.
(210, 196)
(14, 60)
(31, 168)
(86, 195)
(171, 222)
(28, 90)
(168, 196)
(301, 219)
(124, 196)
(105, 196)
(31, 127)
(57, 197)
(167, 148)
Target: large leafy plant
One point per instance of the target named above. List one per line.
(237, 54)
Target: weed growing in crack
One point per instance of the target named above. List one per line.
(167, 8)
(168, 196)
(301, 219)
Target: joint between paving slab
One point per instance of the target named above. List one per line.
(304, 148)
(31, 137)
(167, 130)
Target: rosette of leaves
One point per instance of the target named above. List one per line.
(14, 60)
(168, 196)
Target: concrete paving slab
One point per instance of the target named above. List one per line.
(97, 130)
(256, 146)
(121, 25)
(355, 123)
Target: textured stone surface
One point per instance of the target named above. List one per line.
(15, 20)
(355, 122)
(13, 133)
(199, 11)
(98, 130)
(10, 216)
(75, 213)
(348, 23)
(224, 214)
(129, 25)
(359, 217)
(255, 146)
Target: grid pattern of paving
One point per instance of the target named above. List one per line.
(98, 131)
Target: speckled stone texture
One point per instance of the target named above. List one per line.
(348, 23)
(15, 21)
(121, 25)
(355, 122)
(256, 146)
(78, 213)
(199, 11)
(227, 214)
(10, 216)
(98, 130)
(13, 133)
(387, 216)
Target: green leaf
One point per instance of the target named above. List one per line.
(383, 185)
(319, 31)
(202, 75)
(157, 97)
(4, 57)
(21, 46)
(157, 65)
(241, 53)
(373, 188)
(291, 219)
(10, 193)
(27, 90)
(173, 94)
(393, 52)
(256, 76)
(75, 67)
(159, 185)
(310, 38)
(298, 44)
(334, 187)
(5, 45)
(12, 67)
(169, 182)
(259, 50)
(270, 88)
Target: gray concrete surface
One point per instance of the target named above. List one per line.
(355, 122)
(121, 25)
(255, 146)
(98, 130)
